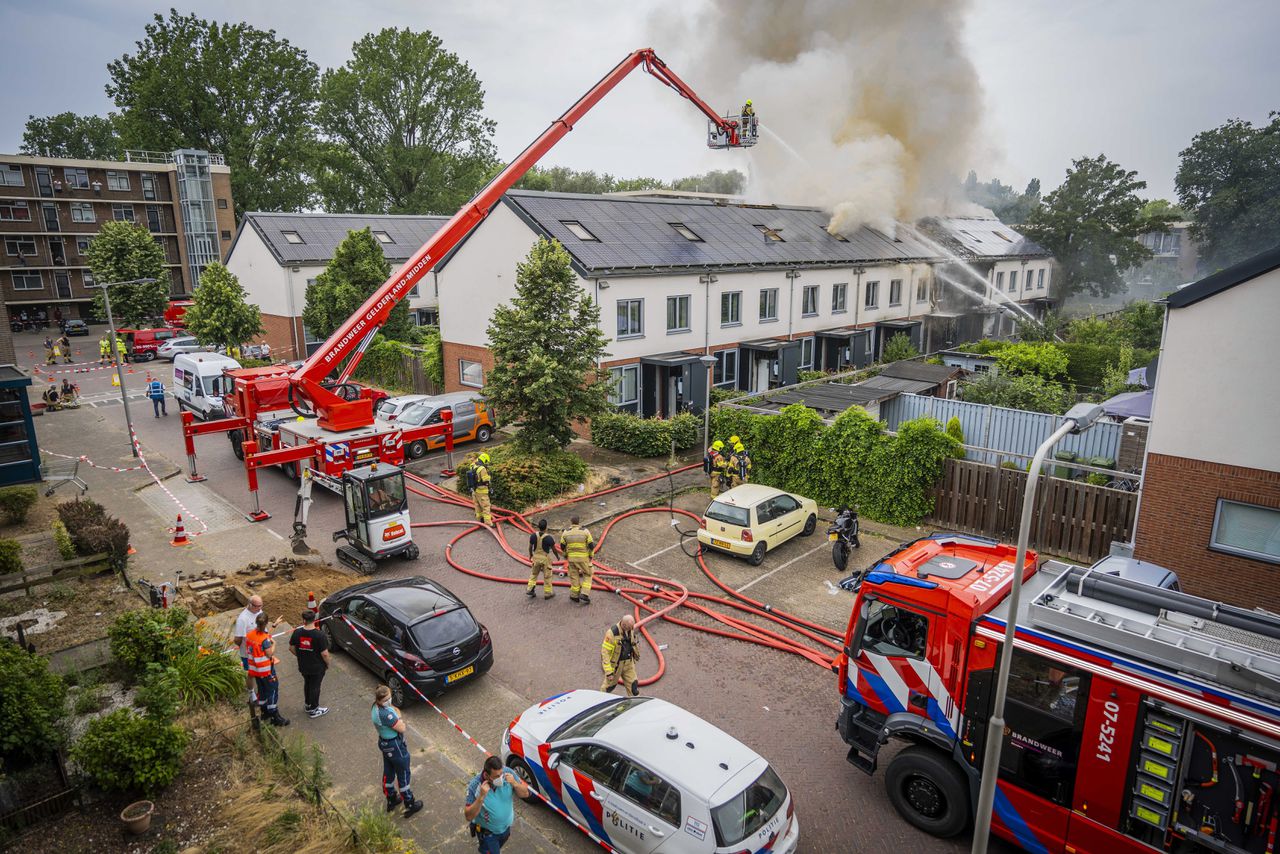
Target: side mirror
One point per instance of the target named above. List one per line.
(553, 761)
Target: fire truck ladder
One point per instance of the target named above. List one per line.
(1232, 647)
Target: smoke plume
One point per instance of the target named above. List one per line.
(867, 108)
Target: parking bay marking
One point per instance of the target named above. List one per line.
(784, 566)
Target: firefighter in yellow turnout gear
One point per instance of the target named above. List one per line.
(618, 656)
(480, 491)
(578, 546)
(739, 465)
(541, 547)
(713, 465)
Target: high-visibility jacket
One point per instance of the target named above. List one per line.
(614, 641)
(104, 347)
(120, 348)
(259, 661)
(577, 542)
(482, 475)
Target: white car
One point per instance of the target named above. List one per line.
(389, 408)
(647, 776)
(176, 346)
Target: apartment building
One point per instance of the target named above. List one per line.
(52, 208)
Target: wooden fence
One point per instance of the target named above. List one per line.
(1072, 519)
(412, 376)
(51, 572)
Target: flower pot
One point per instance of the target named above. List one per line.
(137, 816)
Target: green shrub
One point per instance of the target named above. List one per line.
(720, 395)
(1097, 478)
(644, 437)
(806, 376)
(207, 674)
(1042, 360)
(88, 700)
(148, 635)
(16, 502)
(1026, 391)
(33, 705)
(66, 548)
(158, 692)
(899, 348)
(955, 430)
(94, 531)
(1087, 363)
(521, 479)
(81, 513)
(125, 751)
(10, 556)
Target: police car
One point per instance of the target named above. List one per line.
(646, 776)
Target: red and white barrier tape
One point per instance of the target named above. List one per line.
(605, 845)
(37, 369)
(84, 459)
(137, 446)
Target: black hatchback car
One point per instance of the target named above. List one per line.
(75, 327)
(427, 631)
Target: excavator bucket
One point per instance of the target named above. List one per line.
(301, 508)
(299, 542)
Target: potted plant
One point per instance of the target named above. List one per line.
(137, 816)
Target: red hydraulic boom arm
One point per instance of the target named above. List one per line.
(351, 339)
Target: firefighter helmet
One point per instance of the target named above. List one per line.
(483, 459)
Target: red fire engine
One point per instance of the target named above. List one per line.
(315, 416)
(1137, 718)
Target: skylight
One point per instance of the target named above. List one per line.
(837, 235)
(685, 231)
(1003, 236)
(383, 237)
(579, 231)
(293, 237)
(770, 233)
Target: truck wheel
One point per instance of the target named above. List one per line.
(757, 554)
(929, 791)
(840, 555)
(810, 525)
(483, 433)
(237, 443)
(416, 450)
(411, 552)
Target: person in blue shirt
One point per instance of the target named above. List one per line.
(155, 391)
(489, 805)
(395, 754)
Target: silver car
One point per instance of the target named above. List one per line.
(390, 408)
(184, 344)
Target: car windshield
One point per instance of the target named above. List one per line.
(749, 810)
(444, 629)
(590, 722)
(212, 385)
(416, 413)
(729, 514)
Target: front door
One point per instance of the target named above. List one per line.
(761, 370)
(590, 775)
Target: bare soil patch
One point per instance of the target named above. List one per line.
(90, 604)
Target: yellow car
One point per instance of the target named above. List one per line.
(752, 519)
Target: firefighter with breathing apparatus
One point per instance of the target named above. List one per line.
(713, 463)
(739, 465)
(478, 480)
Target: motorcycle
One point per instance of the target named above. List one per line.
(843, 535)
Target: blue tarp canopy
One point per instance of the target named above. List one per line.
(1129, 404)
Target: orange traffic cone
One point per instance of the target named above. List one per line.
(180, 534)
(312, 605)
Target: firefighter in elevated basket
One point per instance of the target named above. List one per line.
(578, 546)
(618, 656)
(478, 479)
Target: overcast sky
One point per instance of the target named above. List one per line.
(1135, 79)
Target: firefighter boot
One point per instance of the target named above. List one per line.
(635, 688)
(412, 805)
(276, 719)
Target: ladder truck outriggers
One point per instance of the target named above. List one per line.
(1137, 718)
(318, 418)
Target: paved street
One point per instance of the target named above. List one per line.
(779, 704)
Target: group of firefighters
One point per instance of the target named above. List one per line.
(727, 465)
(104, 350)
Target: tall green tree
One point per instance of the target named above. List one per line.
(1091, 224)
(221, 316)
(403, 126)
(546, 345)
(122, 252)
(727, 181)
(561, 179)
(1001, 199)
(357, 270)
(1229, 179)
(73, 136)
(228, 88)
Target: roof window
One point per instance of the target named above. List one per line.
(1003, 236)
(837, 235)
(579, 231)
(383, 237)
(770, 233)
(293, 237)
(686, 232)
(972, 237)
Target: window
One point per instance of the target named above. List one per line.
(87, 278)
(117, 180)
(599, 763)
(749, 810)
(768, 304)
(122, 213)
(11, 176)
(292, 237)
(999, 281)
(76, 178)
(19, 246)
(678, 314)
(1247, 530)
(626, 385)
(226, 235)
(685, 231)
(731, 308)
(771, 234)
(1003, 236)
(82, 245)
(15, 211)
(651, 793)
(50, 212)
(383, 237)
(872, 299)
(839, 297)
(222, 204)
(809, 301)
(806, 352)
(1013, 280)
(153, 218)
(726, 369)
(578, 230)
(28, 281)
(1040, 279)
(82, 212)
(890, 630)
(149, 187)
(470, 373)
(630, 318)
(922, 289)
(895, 292)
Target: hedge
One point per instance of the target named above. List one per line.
(1086, 363)
(645, 437)
(93, 531)
(520, 479)
(852, 461)
(32, 706)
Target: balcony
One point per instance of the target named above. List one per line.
(138, 156)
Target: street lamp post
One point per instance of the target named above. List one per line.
(1078, 419)
(708, 362)
(115, 352)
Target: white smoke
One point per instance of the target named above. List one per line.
(867, 108)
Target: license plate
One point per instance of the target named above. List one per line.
(720, 544)
(833, 537)
(461, 674)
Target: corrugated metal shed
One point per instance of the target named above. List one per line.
(921, 371)
(320, 234)
(827, 399)
(981, 237)
(640, 235)
(899, 385)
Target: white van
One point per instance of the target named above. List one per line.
(197, 382)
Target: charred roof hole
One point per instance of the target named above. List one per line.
(838, 236)
(770, 233)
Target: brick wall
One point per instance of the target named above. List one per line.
(7, 355)
(279, 332)
(1176, 520)
(453, 353)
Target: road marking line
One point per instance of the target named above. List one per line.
(637, 563)
(274, 534)
(784, 566)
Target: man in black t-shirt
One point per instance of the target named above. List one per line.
(541, 547)
(311, 647)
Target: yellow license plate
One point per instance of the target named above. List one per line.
(833, 537)
(461, 674)
(720, 544)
